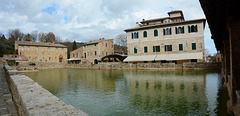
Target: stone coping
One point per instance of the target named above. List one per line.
(33, 100)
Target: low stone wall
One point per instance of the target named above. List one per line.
(33, 100)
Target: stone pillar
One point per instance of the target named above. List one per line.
(226, 60)
(234, 42)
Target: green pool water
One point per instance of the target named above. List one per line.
(137, 92)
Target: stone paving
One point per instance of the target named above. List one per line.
(7, 107)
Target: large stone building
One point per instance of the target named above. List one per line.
(41, 52)
(92, 52)
(169, 39)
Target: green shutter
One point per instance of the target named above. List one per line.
(145, 49)
(157, 48)
(170, 48)
(165, 47)
(170, 31)
(135, 50)
(193, 46)
(196, 28)
(176, 30)
(145, 34)
(155, 32)
(183, 29)
(164, 32)
(180, 47)
(154, 50)
(132, 35)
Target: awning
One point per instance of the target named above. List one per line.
(140, 58)
(180, 56)
(74, 59)
(176, 56)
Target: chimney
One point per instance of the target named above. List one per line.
(103, 38)
(100, 38)
(143, 19)
(137, 24)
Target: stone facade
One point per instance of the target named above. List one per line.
(171, 35)
(41, 52)
(92, 52)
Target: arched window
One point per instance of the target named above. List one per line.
(145, 34)
(192, 28)
(135, 34)
(155, 32)
(179, 30)
(167, 31)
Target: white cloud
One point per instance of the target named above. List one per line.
(84, 20)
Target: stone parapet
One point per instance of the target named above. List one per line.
(33, 100)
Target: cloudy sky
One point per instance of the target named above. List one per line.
(84, 20)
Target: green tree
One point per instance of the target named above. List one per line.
(74, 46)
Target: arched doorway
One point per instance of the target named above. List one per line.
(60, 58)
(95, 61)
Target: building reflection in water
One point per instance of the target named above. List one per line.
(131, 92)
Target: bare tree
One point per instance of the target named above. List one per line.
(58, 39)
(121, 40)
(15, 35)
(27, 37)
(34, 35)
(50, 37)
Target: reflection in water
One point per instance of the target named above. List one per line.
(136, 92)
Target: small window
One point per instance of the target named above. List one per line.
(179, 30)
(156, 48)
(135, 35)
(106, 44)
(36, 59)
(28, 49)
(62, 49)
(56, 49)
(135, 50)
(95, 53)
(168, 48)
(167, 31)
(22, 48)
(180, 47)
(29, 59)
(48, 49)
(73, 55)
(193, 46)
(145, 49)
(106, 53)
(155, 32)
(49, 59)
(145, 34)
(36, 48)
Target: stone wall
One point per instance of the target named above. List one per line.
(33, 100)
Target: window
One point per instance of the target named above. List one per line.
(36, 48)
(145, 34)
(95, 53)
(192, 28)
(134, 35)
(179, 30)
(55, 59)
(168, 48)
(167, 31)
(22, 48)
(62, 49)
(28, 49)
(73, 55)
(36, 59)
(155, 32)
(29, 59)
(193, 46)
(56, 49)
(49, 59)
(135, 50)
(48, 49)
(145, 49)
(156, 48)
(88, 53)
(180, 47)
(106, 44)
(106, 53)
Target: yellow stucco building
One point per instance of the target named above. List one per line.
(41, 52)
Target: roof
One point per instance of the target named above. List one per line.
(169, 57)
(164, 24)
(96, 41)
(26, 43)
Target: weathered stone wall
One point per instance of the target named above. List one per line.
(33, 100)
